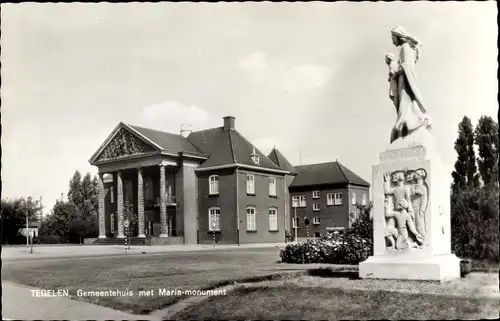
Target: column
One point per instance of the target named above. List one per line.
(119, 204)
(140, 203)
(102, 222)
(163, 203)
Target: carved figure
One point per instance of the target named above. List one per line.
(419, 193)
(404, 222)
(391, 232)
(400, 191)
(411, 113)
(393, 65)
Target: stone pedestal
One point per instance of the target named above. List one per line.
(426, 190)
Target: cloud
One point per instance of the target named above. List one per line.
(168, 116)
(298, 78)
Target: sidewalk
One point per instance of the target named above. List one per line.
(18, 303)
(42, 252)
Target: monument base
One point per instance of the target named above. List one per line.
(431, 268)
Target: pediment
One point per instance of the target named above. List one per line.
(124, 144)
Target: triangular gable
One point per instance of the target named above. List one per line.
(123, 142)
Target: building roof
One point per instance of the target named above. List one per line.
(277, 157)
(167, 141)
(324, 174)
(227, 147)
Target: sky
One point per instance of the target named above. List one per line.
(308, 78)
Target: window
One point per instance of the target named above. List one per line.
(273, 219)
(250, 184)
(214, 219)
(251, 224)
(256, 159)
(364, 199)
(315, 207)
(334, 199)
(315, 220)
(295, 201)
(315, 194)
(353, 198)
(302, 201)
(338, 198)
(272, 186)
(316, 234)
(112, 194)
(296, 222)
(214, 184)
(329, 199)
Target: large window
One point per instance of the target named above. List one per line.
(214, 219)
(364, 199)
(272, 186)
(299, 201)
(353, 198)
(148, 190)
(214, 184)
(251, 220)
(295, 201)
(250, 184)
(273, 219)
(334, 199)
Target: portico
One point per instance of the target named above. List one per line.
(137, 174)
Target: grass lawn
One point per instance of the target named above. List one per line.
(291, 302)
(187, 270)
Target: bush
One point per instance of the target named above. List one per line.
(333, 248)
(49, 239)
(353, 247)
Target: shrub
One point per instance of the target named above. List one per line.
(49, 239)
(333, 248)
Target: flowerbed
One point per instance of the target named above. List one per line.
(333, 248)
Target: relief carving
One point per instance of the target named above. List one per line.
(405, 208)
(124, 144)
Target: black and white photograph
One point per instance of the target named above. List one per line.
(249, 161)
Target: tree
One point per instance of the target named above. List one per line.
(465, 166)
(14, 216)
(59, 221)
(486, 138)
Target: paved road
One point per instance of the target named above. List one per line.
(75, 251)
(19, 303)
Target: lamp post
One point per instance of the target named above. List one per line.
(126, 225)
(295, 225)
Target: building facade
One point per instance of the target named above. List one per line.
(324, 198)
(190, 188)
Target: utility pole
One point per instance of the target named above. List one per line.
(296, 226)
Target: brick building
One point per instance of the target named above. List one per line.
(197, 186)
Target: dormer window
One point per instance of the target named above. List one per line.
(255, 157)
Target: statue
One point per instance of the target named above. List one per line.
(411, 113)
(400, 190)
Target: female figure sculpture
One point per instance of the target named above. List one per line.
(411, 113)
(419, 200)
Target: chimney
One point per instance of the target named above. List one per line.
(185, 130)
(228, 123)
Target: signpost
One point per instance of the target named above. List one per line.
(126, 225)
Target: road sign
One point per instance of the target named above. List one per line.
(126, 223)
